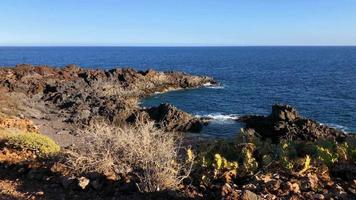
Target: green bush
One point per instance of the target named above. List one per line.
(36, 142)
(285, 150)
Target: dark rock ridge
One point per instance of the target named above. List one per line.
(285, 121)
(33, 80)
(170, 118)
(78, 96)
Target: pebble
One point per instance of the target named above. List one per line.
(40, 193)
(248, 195)
(83, 182)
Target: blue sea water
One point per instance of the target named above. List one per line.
(319, 81)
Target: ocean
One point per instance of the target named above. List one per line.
(319, 81)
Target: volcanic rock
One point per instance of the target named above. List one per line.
(248, 195)
(285, 121)
(170, 118)
(83, 182)
(72, 97)
(345, 170)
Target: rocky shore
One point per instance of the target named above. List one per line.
(285, 122)
(61, 100)
(280, 156)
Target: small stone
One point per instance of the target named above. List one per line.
(352, 190)
(63, 132)
(273, 185)
(275, 176)
(83, 182)
(339, 192)
(310, 182)
(248, 195)
(294, 187)
(318, 196)
(21, 170)
(226, 189)
(111, 176)
(249, 186)
(293, 197)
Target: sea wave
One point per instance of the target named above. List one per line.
(340, 127)
(220, 117)
(212, 86)
(216, 87)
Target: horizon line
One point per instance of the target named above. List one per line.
(174, 45)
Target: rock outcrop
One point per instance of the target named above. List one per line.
(170, 118)
(285, 121)
(76, 96)
(33, 80)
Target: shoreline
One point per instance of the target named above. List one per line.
(136, 94)
(115, 95)
(96, 120)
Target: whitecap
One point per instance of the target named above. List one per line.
(216, 87)
(207, 84)
(340, 127)
(213, 86)
(220, 117)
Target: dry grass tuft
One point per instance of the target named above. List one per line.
(149, 154)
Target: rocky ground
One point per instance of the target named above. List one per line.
(59, 101)
(280, 156)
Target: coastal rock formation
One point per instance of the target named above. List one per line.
(60, 100)
(285, 121)
(33, 80)
(168, 118)
(171, 118)
(74, 97)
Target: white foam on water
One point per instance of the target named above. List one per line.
(340, 127)
(212, 86)
(216, 87)
(220, 117)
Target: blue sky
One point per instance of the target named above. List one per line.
(183, 22)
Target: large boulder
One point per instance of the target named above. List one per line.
(170, 118)
(285, 121)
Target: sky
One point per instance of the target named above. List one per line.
(177, 23)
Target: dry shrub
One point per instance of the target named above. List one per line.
(141, 150)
